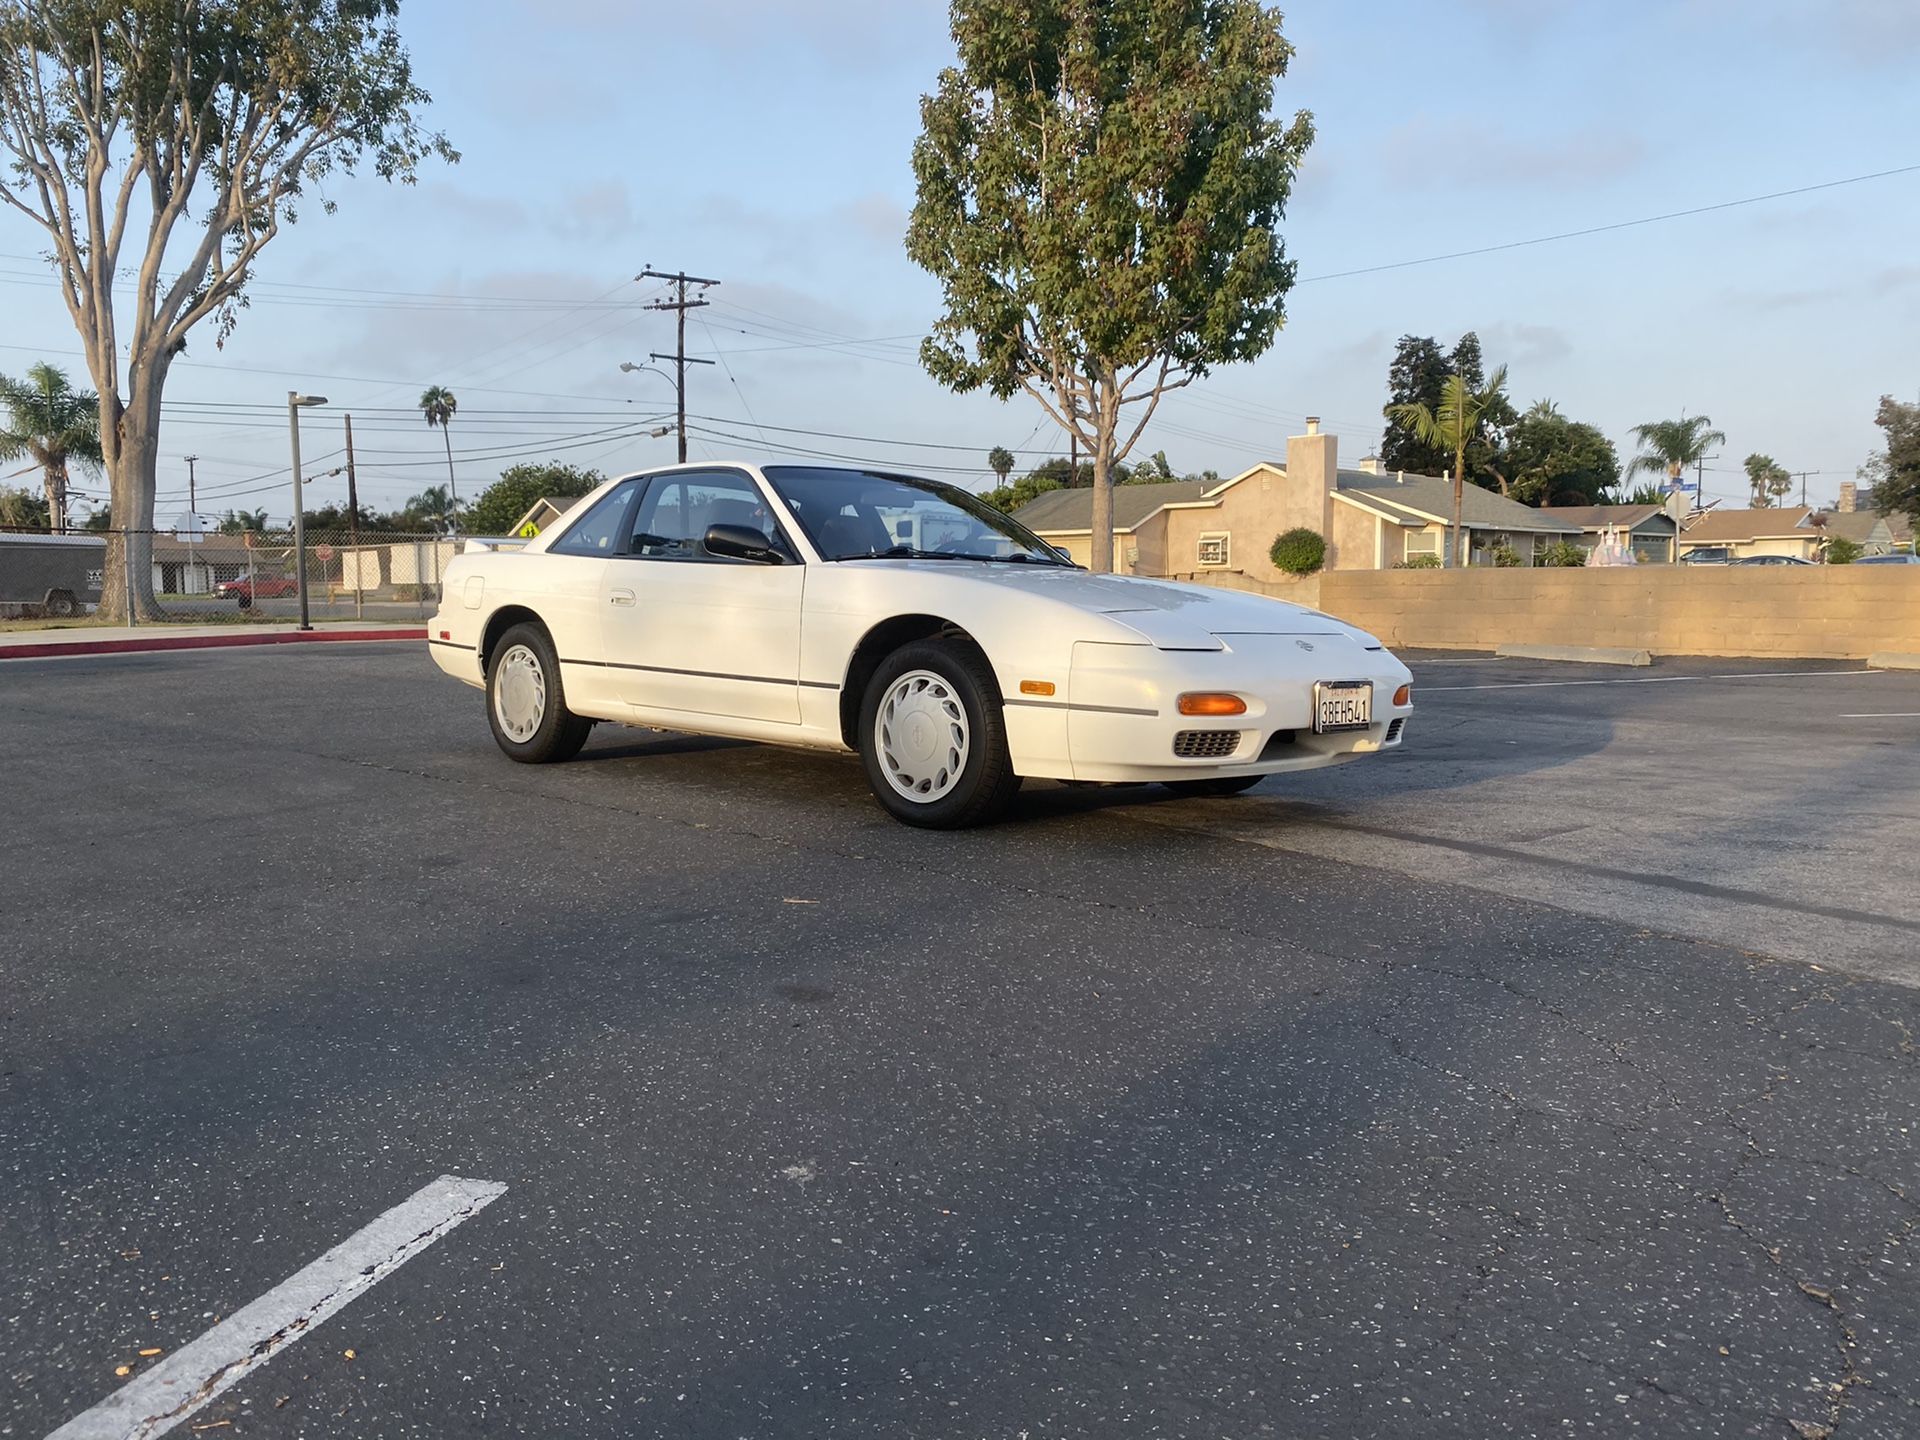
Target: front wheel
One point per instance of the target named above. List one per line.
(1214, 786)
(526, 704)
(933, 738)
(61, 605)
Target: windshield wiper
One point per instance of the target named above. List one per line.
(903, 552)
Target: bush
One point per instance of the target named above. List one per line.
(1299, 552)
(1562, 554)
(1419, 562)
(1504, 556)
(1842, 551)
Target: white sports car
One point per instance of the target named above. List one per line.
(905, 620)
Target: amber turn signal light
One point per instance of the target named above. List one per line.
(1208, 702)
(1036, 687)
(1403, 696)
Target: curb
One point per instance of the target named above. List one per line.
(53, 648)
(1892, 660)
(1583, 654)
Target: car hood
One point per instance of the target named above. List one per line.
(1170, 615)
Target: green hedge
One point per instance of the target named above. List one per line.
(1299, 552)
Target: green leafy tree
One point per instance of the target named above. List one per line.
(1894, 473)
(519, 487)
(22, 509)
(1668, 447)
(55, 427)
(161, 144)
(1452, 426)
(1000, 461)
(238, 522)
(1547, 459)
(1769, 481)
(433, 508)
(1839, 550)
(1099, 190)
(99, 519)
(1418, 375)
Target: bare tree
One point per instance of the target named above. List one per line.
(192, 124)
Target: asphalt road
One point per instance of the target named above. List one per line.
(1480, 1090)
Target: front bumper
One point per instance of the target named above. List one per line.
(1123, 722)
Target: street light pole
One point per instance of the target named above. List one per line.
(295, 403)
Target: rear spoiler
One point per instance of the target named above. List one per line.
(473, 546)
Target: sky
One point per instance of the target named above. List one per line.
(766, 145)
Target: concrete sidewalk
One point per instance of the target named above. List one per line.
(133, 639)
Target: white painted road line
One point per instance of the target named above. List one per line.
(1885, 715)
(1649, 680)
(187, 1379)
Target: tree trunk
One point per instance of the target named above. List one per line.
(453, 489)
(1106, 418)
(1453, 559)
(130, 443)
(57, 497)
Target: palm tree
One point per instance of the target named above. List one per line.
(1670, 446)
(238, 522)
(436, 502)
(1000, 461)
(1454, 425)
(437, 403)
(54, 424)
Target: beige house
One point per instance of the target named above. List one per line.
(1371, 520)
(1648, 530)
(1777, 530)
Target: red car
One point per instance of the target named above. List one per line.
(258, 587)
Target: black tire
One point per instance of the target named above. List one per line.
(60, 605)
(1214, 786)
(986, 783)
(557, 733)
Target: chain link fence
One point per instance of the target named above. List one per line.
(249, 576)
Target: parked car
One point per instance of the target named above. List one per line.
(248, 589)
(1770, 560)
(906, 621)
(1899, 559)
(1708, 555)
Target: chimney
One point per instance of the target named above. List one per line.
(1368, 464)
(1849, 498)
(1313, 473)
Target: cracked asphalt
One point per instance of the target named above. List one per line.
(1565, 1086)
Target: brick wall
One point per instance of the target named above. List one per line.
(1840, 611)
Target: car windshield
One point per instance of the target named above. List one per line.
(868, 515)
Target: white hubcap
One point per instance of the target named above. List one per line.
(921, 736)
(519, 693)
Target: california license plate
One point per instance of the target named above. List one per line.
(1342, 705)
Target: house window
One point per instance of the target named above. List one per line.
(1216, 549)
(1425, 541)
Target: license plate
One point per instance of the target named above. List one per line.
(1342, 705)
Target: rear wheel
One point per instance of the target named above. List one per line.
(1214, 786)
(933, 738)
(60, 605)
(526, 703)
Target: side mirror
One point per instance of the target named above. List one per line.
(741, 542)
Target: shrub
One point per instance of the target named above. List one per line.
(1299, 552)
(1842, 551)
(1419, 562)
(1562, 554)
(1504, 556)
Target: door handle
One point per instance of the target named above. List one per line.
(621, 597)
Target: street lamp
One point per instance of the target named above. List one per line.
(627, 367)
(296, 402)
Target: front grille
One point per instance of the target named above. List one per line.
(1393, 730)
(1205, 744)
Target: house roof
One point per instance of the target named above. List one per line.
(1723, 527)
(1065, 510)
(1858, 525)
(543, 512)
(1431, 498)
(1599, 517)
(212, 549)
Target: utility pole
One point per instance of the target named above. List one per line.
(680, 304)
(193, 520)
(1700, 478)
(353, 526)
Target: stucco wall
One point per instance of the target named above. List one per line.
(1836, 611)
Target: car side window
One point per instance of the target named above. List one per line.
(671, 521)
(601, 529)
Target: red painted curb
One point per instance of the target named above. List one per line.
(199, 642)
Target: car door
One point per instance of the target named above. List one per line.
(691, 632)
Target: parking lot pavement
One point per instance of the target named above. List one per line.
(1106, 1121)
